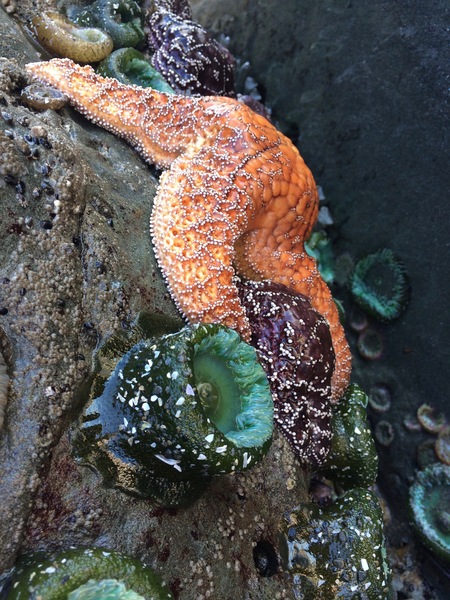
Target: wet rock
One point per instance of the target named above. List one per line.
(61, 183)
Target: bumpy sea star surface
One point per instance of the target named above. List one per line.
(238, 196)
(294, 346)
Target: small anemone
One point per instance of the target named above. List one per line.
(130, 67)
(319, 247)
(442, 445)
(429, 419)
(84, 574)
(370, 344)
(64, 38)
(380, 398)
(175, 411)
(379, 284)
(429, 501)
(384, 433)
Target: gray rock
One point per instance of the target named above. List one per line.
(76, 265)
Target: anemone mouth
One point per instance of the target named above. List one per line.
(233, 388)
(89, 34)
(107, 589)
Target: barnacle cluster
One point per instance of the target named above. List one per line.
(337, 551)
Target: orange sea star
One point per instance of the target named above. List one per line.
(237, 197)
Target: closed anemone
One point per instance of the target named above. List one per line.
(379, 284)
(121, 19)
(64, 38)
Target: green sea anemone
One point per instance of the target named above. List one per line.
(84, 574)
(370, 344)
(352, 461)
(379, 284)
(129, 66)
(121, 19)
(176, 411)
(337, 551)
(429, 501)
(106, 589)
(319, 247)
(64, 38)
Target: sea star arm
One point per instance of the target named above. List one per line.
(195, 250)
(158, 125)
